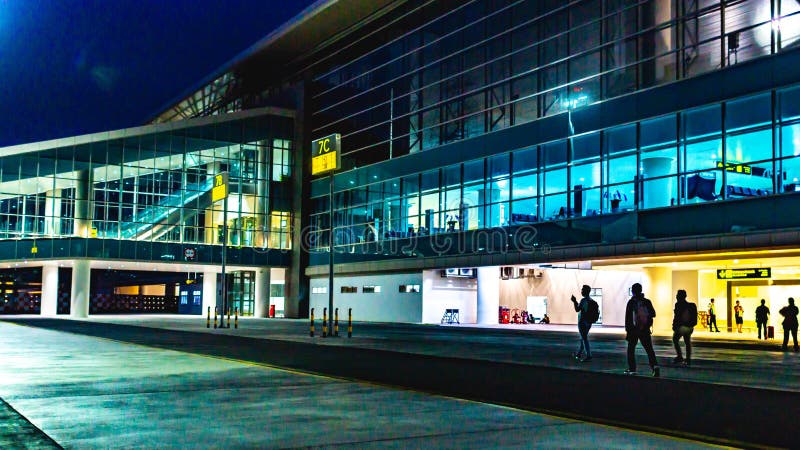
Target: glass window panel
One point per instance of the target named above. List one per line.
(589, 204)
(526, 160)
(660, 192)
(619, 198)
(658, 132)
(702, 186)
(555, 207)
(555, 181)
(451, 176)
(430, 180)
(755, 146)
(620, 139)
(554, 153)
(789, 100)
(586, 175)
(703, 121)
(525, 211)
(790, 140)
(411, 185)
(748, 112)
(473, 171)
(525, 186)
(749, 181)
(498, 165)
(703, 155)
(621, 170)
(585, 147)
(498, 214)
(790, 179)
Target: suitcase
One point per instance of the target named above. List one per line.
(770, 332)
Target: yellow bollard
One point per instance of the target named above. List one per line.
(229, 317)
(336, 323)
(312, 323)
(325, 322)
(208, 319)
(349, 322)
(215, 317)
(236, 317)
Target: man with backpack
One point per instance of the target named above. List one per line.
(639, 314)
(683, 323)
(588, 312)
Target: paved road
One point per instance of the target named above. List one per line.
(88, 392)
(730, 396)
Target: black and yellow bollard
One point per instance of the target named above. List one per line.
(311, 333)
(208, 319)
(236, 317)
(349, 322)
(324, 322)
(229, 317)
(215, 317)
(336, 323)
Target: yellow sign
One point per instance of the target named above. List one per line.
(737, 274)
(738, 168)
(93, 232)
(34, 250)
(326, 154)
(220, 189)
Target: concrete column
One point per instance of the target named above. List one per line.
(83, 204)
(262, 292)
(657, 285)
(49, 290)
(79, 297)
(657, 192)
(52, 212)
(488, 295)
(209, 292)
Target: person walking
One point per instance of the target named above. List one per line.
(762, 316)
(639, 314)
(738, 313)
(683, 322)
(712, 316)
(789, 314)
(586, 317)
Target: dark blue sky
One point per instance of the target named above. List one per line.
(72, 67)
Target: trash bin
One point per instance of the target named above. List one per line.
(272, 310)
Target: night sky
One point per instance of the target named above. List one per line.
(71, 67)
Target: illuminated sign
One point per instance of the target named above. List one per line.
(220, 189)
(326, 154)
(739, 274)
(738, 168)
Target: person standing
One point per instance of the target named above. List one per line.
(712, 316)
(762, 316)
(585, 321)
(639, 314)
(683, 322)
(738, 313)
(789, 314)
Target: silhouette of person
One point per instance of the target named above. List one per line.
(712, 316)
(584, 325)
(738, 313)
(762, 316)
(789, 314)
(683, 322)
(639, 314)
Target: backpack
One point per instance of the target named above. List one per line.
(689, 315)
(642, 318)
(592, 313)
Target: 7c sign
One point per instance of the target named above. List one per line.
(326, 154)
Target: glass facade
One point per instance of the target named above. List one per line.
(450, 71)
(156, 186)
(742, 148)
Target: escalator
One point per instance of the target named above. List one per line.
(156, 220)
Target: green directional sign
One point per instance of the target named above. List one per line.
(742, 274)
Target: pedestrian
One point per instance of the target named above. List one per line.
(789, 314)
(586, 317)
(712, 316)
(738, 313)
(683, 322)
(762, 316)
(639, 314)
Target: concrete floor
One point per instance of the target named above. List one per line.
(87, 392)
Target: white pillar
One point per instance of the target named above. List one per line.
(262, 292)
(49, 290)
(658, 288)
(52, 212)
(209, 292)
(488, 295)
(79, 297)
(657, 192)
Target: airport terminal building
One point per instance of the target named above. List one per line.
(495, 156)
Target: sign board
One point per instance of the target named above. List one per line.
(737, 168)
(220, 189)
(326, 154)
(743, 274)
(93, 232)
